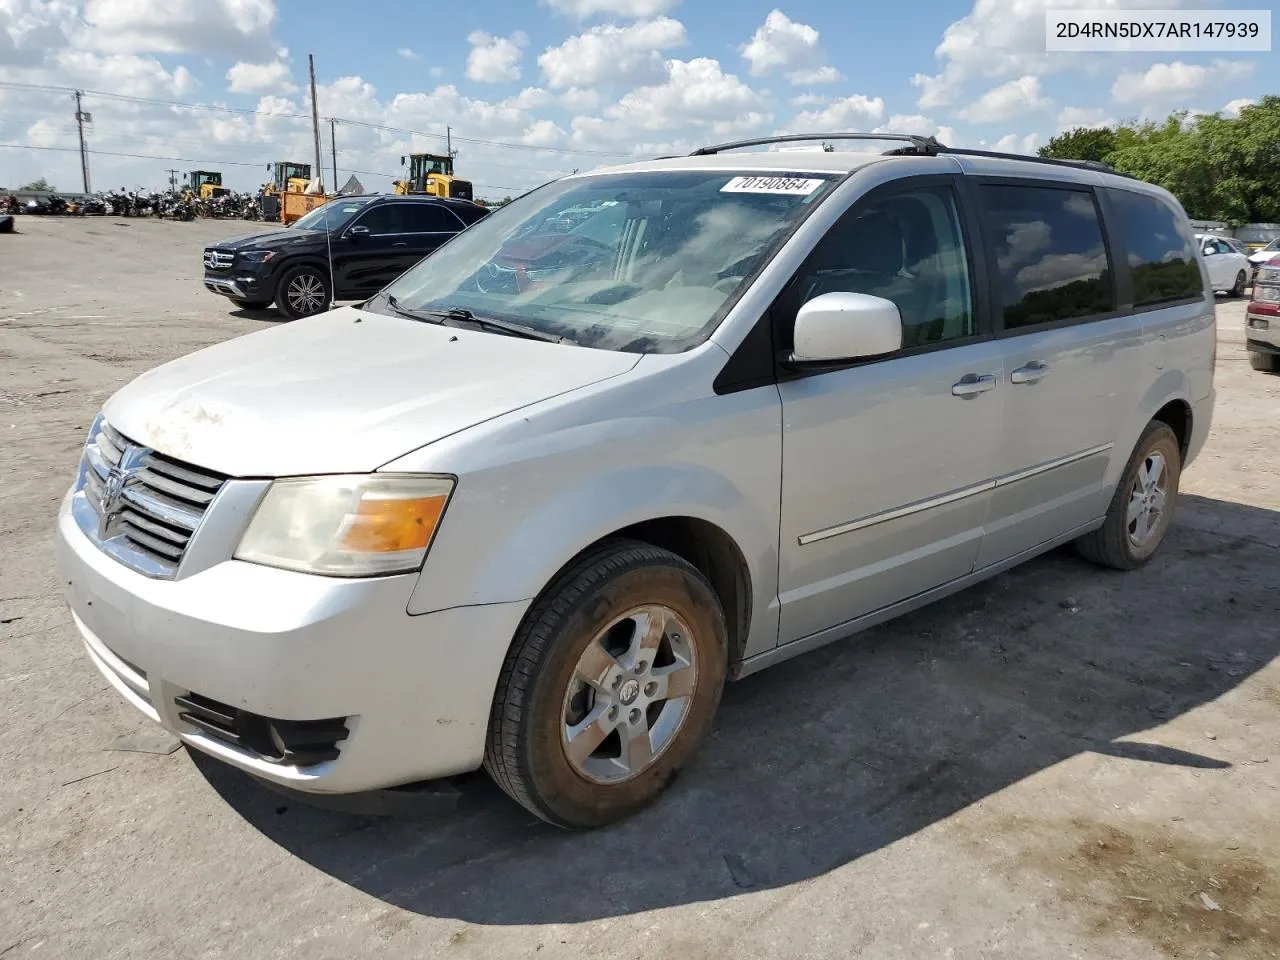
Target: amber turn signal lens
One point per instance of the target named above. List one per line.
(390, 525)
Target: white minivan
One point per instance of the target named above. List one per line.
(641, 431)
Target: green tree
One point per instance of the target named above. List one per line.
(42, 185)
(1082, 143)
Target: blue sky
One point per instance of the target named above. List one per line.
(535, 89)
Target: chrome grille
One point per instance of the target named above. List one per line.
(144, 506)
(219, 259)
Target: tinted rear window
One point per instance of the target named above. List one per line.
(1050, 255)
(1161, 253)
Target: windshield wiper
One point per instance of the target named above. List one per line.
(461, 315)
(426, 316)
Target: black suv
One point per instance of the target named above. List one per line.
(355, 244)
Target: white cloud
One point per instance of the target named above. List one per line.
(1005, 38)
(629, 9)
(827, 74)
(261, 77)
(1013, 143)
(579, 99)
(1012, 99)
(407, 53)
(1233, 108)
(696, 92)
(783, 43)
(1071, 118)
(1170, 82)
(846, 113)
(494, 59)
(809, 99)
(233, 28)
(612, 54)
(436, 72)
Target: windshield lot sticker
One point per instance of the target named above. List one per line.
(792, 185)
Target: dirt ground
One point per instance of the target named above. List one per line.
(1060, 763)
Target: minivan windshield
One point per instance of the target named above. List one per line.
(644, 262)
(331, 216)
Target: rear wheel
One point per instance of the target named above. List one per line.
(1142, 507)
(610, 686)
(1269, 362)
(1241, 281)
(303, 291)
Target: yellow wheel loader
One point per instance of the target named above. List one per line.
(432, 174)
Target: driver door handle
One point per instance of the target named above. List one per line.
(972, 384)
(1030, 373)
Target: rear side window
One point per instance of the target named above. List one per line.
(469, 214)
(1161, 255)
(429, 218)
(1049, 253)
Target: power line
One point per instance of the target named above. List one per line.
(220, 108)
(232, 163)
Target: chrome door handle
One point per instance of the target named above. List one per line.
(1032, 372)
(971, 384)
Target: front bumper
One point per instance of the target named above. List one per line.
(414, 691)
(1262, 327)
(239, 285)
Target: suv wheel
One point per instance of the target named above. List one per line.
(1241, 281)
(303, 291)
(1270, 362)
(610, 686)
(1142, 508)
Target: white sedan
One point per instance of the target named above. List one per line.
(1229, 269)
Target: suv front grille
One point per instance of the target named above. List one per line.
(218, 259)
(147, 505)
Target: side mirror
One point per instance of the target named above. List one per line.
(1208, 250)
(358, 232)
(846, 326)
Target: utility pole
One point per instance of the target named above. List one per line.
(81, 119)
(315, 119)
(333, 149)
(173, 179)
(448, 141)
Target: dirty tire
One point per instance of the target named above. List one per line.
(1269, 362)
(1110, 545)
(1241, 282)
(525, 754)
(303, 292)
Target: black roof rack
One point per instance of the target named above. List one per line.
(916, 146)
(925, 145)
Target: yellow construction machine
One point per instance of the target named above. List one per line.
(285, 196)
(432, 174)
(206, 184)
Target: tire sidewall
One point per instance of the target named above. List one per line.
(570, 798)
(282, 293)
(1158, 438)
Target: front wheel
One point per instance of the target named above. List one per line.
(1142, 507)
(303, 291)
(1241, 280)
(610, 686)
(1268, 362)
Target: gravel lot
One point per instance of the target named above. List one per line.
(1062, 762)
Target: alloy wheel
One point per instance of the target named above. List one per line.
(306, 293)
(1147, 500)
(630, 694)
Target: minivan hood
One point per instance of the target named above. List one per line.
(343, 392)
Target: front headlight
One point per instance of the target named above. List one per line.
(346, 526)
(1268, 274)
(257, 256)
